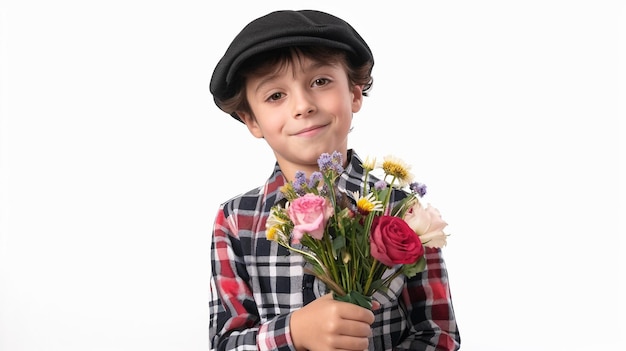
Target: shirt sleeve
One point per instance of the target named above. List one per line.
(234, 322)
(429, 308)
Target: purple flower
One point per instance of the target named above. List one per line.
(380, 185)
(328, 162)
(337, 161)
(324, 162)
(299, 182)
(418, 188)
(316, 177)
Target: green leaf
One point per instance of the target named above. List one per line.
(356, 298)
(417, 267)
(401, 207)
(383, 194)
(339, 243)
(377, 284)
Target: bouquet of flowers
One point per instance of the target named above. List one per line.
(352, 244)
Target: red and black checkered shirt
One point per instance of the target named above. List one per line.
(257, 283)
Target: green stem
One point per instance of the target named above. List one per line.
(332, 260)
(392, 277)
(304, 253)
(370, 276)
(388, 198)
(365, 187)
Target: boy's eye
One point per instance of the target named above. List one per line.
(275, 96)
(320, 81)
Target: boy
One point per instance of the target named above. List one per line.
(295, 78)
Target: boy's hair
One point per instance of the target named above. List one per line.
(272, 61)
(300, 32)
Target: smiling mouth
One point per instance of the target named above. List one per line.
(310, 130)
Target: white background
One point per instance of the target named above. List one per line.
(113, 160)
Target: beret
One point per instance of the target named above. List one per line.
(281, 29)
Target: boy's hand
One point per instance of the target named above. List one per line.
(327, 324)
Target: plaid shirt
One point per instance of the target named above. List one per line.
(256, 283)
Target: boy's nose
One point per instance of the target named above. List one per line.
(305, 113)
(303, 107)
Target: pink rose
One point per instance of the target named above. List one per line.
(393, 242)
(428, 224)
(309, 215)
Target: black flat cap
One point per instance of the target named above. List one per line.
(281, 29)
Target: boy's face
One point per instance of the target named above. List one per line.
(302, 110)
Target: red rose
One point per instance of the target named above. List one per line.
(393, 242)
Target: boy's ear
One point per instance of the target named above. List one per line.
(251, 123)
(357, 98)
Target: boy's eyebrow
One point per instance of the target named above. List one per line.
(318, 64)
(313, 65)
(265, 80)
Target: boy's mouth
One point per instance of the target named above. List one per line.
(308, 131)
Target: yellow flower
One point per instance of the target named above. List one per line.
(398, 169)
(367, 204)
(369, 164)
(274, 227)
(270, 234)
(346, 257)
(288, 191)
